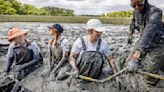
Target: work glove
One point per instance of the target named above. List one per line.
(132, 64)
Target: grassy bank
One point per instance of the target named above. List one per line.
(60, 19)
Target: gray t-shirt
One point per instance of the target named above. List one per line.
(33, 46)
(78, 48)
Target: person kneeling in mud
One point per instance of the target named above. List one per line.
(25, 56)
(148, 52)
(87, 52)
(58, 48)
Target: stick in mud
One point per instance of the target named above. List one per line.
(103, 80)
(151, 75)
(114, 75)
(118, 73)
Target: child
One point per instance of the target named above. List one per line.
(25, 55)
(58, 49)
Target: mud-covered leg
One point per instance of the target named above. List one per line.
(152, 64)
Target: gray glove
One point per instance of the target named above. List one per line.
(132, 65)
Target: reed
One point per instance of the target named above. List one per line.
(62, 19)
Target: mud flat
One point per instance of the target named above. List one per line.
(115, 35)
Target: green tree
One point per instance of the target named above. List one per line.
(12, 7)
(59, 11)
(30, 10)
(42, 11)
(119, 14)
(6, 8)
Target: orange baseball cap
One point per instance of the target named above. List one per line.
(15, 32)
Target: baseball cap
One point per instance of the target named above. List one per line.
(58, 27)
(95, 24)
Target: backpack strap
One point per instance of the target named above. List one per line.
(98, 45)
(83, 44)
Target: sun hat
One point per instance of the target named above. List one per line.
(15, 32)
(95, 24)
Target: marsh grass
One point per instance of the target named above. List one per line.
(62, 19)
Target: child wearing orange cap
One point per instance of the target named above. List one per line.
(25, 56)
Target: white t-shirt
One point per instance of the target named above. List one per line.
(78, 48)
(64, 44)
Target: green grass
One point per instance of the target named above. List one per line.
(60, 19)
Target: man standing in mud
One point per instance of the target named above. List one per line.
(149, 51)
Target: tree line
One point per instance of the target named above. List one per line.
(118, 14)
(13, 7)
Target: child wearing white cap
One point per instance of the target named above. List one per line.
(87, 52)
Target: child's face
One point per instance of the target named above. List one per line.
(20, 39)
(95, 34)
(53, 31)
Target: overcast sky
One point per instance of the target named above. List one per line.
(90, 7)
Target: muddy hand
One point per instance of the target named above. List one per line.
(4, 74)
(75, 73)
(18, 68)
(132, 65)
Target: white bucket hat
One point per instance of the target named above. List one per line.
(95, 24)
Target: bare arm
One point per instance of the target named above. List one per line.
(73, 59)
(112, 63)
(49, 55)
(36, 56)
(49, 58)
(61, 62)
(10, 58)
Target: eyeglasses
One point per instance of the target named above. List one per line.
(139, 5)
